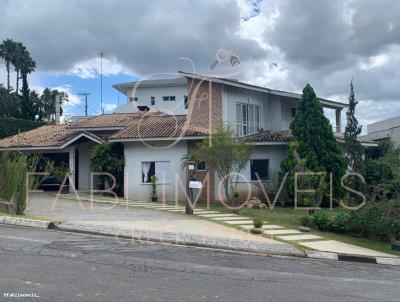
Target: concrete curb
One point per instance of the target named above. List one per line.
(187, 240)
(353, 258)
(26, 222)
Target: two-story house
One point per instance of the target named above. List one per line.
(162, 121)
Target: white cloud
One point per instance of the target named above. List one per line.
(109, 107)
(92, 67)
(374, 62)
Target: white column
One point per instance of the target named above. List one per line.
(338, 120)
(72, 162)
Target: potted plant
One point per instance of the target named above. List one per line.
(396, 239)
(235, 201)
(60, 172)
(257, 223)
(154, 196)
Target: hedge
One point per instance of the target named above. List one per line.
(11, 126)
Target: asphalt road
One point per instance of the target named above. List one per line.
(59, 266)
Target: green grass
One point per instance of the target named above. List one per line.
(289, 217)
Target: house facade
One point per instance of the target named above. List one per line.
(385, 129)
(161, 123)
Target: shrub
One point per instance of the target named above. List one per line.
(306, 221)
(341, 223)
(258, 222)
(13, 167)
(320, 220)
(377, 219)
(12, 126)
(109, 157)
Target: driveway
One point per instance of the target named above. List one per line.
(134, 219)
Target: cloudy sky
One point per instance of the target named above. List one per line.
(282, 44)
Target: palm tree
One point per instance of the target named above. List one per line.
(28, 65)
(7, 49)
(18, 60)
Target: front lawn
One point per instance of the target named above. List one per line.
(289, 217)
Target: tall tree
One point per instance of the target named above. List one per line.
(9, 103)
(353, 148)
(7, 51)
(28, 65)
(18, 61)
(316, 144)
(48, 100)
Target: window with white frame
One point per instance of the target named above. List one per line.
(160, 169)
(247, 118)
(152, 100)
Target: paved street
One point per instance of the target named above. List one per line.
(59, 266)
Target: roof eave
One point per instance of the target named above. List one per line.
(326, 103)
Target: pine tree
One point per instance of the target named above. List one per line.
(353, 148)
(316, 144)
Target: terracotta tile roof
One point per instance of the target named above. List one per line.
(269, 136)
(114, 120)
(45, 136)
(152, 126)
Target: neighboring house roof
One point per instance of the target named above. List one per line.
(236, 83)
(122, 87)
(365, 142)
(269, 136)
(46, 137)
(107, 121)
(158, 126)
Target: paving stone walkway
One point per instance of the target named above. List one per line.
(270, 231)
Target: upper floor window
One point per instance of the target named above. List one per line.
(186, 101)
(152, 100)
(293, 112)
(133, 99)
(247, 118)
(168, 98)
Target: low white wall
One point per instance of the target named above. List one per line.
(138, 152)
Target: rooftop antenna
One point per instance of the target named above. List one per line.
(85, 94)
(101, 82)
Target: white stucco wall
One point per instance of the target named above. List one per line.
(233, 95)
(144, 95)
(274, 153)
(84, 165)
(275, 111)
(136, 153)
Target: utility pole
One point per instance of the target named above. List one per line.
(101, 81)
(85, 94)
(58, 109)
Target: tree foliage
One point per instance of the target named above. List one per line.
(316, 144)
(353, 148)
(226, 154)
(109, 157)
(25, 103)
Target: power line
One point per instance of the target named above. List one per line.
(85, 94)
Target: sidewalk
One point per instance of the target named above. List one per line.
(140, 221)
